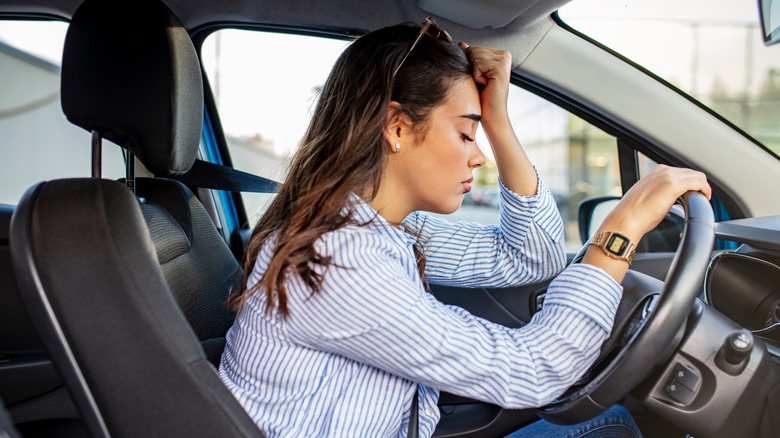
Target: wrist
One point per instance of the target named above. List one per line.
(496, 121)
(624, 227)
(614, 268)
(614, 245)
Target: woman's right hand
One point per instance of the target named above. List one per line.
(643, 207)
(646, 204)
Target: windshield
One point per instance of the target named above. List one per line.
(713, 50)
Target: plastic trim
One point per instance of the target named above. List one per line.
(39, 307)
(210, 152)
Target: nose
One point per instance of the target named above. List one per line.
(476, 157)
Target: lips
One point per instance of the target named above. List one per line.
(467, 184)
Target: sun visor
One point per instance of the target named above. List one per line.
(478, 14)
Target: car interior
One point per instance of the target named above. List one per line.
(112, 291)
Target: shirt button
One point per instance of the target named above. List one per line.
(429, 411)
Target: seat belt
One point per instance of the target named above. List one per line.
(414, 426)
(216, 176)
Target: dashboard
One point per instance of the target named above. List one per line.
(744, 284)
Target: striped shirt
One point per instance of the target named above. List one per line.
(347, 361)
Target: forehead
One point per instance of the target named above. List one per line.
(462, 100)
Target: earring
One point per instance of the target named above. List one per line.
(397, 147)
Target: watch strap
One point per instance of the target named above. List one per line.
(615, 245)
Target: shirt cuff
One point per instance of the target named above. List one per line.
(589, 290)
(540, 208)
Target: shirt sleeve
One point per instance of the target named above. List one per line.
(526, 247)
(372, 311)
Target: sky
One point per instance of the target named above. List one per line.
(267, 81)
(692, 43)
(43, 39)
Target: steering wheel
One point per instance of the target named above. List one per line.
(648, 325)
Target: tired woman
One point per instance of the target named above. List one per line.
(336, 334)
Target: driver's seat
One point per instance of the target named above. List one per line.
(88, 269)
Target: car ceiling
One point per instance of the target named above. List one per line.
(514, 25)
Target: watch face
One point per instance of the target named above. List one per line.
(617, 244)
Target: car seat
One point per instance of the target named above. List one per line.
(7, 429)
(127, 289)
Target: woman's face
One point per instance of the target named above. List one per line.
(437, 169)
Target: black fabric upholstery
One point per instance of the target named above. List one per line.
(83, 253)
(197, 264)
(17, 334)
(7, 429)
(130, 72)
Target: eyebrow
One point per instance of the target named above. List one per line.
(474, 117)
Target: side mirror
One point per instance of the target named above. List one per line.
(769, 16)
(663, 238)
(591, 214)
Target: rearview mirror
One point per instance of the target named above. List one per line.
(769, 16)
(663, 238)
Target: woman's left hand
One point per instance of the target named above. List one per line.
(492, 68)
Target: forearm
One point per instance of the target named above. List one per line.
(527, 247)
(513, 164)
(447, 348)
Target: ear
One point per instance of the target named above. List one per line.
(398, 126)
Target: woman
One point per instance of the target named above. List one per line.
(336, 334)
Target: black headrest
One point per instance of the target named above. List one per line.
(130, 72)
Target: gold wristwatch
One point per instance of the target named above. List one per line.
(615, 245)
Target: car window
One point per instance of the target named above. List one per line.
(576, 159)
(265, 111)
(711, 50)
(31, 118)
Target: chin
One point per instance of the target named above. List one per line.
(448, 208)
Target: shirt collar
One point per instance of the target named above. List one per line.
(363, 213)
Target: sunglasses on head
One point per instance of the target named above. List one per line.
(430, 28)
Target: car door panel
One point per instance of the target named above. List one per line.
(463, 417)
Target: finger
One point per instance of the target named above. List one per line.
(485, 67)
(463, 45)
(478, 73)
(688, 180)
(682, 178)
(480, 66)
(701, 184)
(493, 63)
(697, 181)
(648, 201)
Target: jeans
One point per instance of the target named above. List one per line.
(615, 422)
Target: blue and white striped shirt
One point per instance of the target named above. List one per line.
(347, 361)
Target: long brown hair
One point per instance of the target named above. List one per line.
(344, 150)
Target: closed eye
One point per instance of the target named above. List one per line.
(466, 137)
